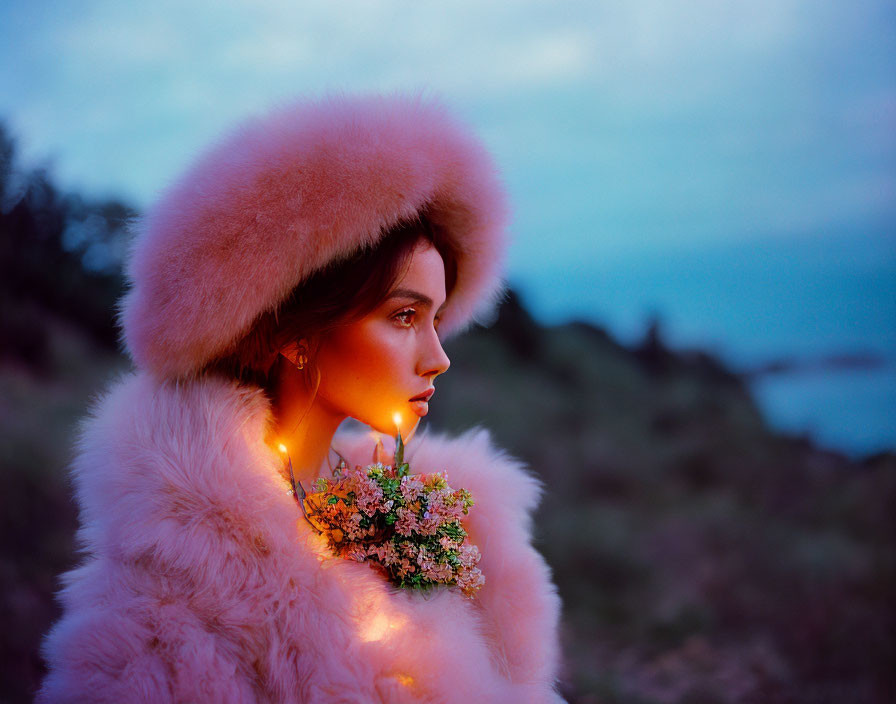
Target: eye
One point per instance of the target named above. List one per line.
(405, 318)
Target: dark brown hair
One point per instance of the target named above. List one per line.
(342, 292)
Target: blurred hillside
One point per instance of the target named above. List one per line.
(701, 556)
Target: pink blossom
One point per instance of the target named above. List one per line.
(407, 522)
(468, 555)
(368, 496)
(411, 488)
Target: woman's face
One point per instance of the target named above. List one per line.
(373, 368)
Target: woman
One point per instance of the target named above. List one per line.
(305, 270)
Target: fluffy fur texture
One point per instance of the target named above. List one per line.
(202, 583)
(285, 194)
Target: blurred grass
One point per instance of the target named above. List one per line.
(39, 408)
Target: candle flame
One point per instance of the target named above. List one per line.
(397, 418)
(282, 448)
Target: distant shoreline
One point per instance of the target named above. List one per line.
(845, 361)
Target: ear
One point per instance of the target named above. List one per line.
(292, 350)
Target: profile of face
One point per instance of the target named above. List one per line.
(383, 365)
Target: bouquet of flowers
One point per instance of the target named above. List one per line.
(408, 526)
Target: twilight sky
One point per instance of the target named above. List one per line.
(620, 127)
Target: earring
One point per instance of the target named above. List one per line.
(297, 356)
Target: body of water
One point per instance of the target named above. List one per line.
(800, 300)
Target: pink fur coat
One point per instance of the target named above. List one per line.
(201, 582)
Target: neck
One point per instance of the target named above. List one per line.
(303, 424)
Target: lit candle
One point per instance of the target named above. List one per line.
(399, 443)
(292, 478)
(379, 454)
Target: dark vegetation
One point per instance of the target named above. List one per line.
(701, 556)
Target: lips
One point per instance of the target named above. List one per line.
(420, 403)
(425, 396)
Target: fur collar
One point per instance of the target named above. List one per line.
(203, 582)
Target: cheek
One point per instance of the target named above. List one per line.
(363, 361)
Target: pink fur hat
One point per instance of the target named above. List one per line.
(281, 196)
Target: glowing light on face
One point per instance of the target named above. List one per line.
(372, 367)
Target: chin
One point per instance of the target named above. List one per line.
(386, 426)
(381, 428)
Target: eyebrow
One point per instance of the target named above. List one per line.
(415, 296)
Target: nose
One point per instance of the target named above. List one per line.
(433, 360)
